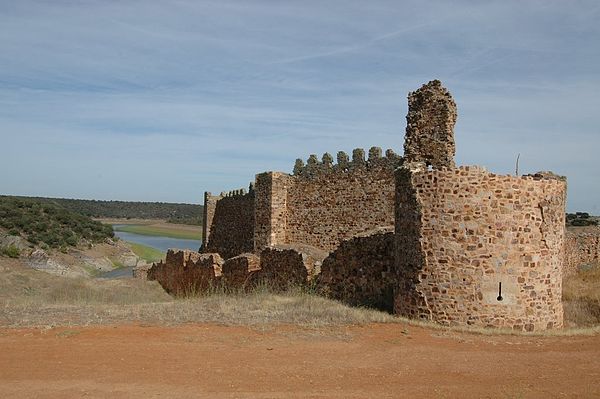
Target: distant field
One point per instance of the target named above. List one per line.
(147, 253)
(163, 230)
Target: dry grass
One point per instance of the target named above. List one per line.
(33, 298)
(251, 309)
(581, 298)
(29, 298)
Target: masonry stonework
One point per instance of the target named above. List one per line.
(270, 209)
(185, 272)
(360, 272)
(582, 248)
(231, 223)
(239, 272)
(480, 249)
(467, 247)
(283, 266)
(430, 126)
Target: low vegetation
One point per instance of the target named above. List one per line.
(48, 224)
(174, 213)
(148, 254)
(581, 297)
(33, 298)
(11, 251)
(581, 219)
(22, 286)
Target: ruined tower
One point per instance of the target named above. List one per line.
(430, 126)
(473, 247)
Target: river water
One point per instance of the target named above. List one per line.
(158, 242)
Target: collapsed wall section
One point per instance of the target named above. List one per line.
(475, 248)
(360, 272)
(229, 223)
(287, 266)
(185, 272)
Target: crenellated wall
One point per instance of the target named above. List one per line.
(475, 248)
(330, 203)
(324, 203)
(469, 247)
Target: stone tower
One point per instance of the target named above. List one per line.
(430, 126)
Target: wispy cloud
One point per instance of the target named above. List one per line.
(149, 100)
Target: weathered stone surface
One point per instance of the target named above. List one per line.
(582, 248)
(284, 267)
(270, 209)
(187, 272)
(468, 248)
(231, 221)
(40, 260)
(475, 248)
(361, 271)
(239, 272)
(430, 126)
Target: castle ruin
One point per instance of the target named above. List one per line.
(414, 235)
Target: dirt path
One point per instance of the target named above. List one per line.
(208, 361)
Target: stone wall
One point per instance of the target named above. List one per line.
(330, 203)
(230, 223)
(283, 267)
(185, 272)
(430, 126)
(582, 247)
(270, 209)
(210, 204)
(239, 272)
(361, 271)
(325, 203)
(475, 248)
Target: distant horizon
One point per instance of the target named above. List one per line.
(159, 102)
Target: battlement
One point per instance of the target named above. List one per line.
(468, 247)
(314, 167)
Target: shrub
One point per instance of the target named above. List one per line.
(47, 223)
(11, 251)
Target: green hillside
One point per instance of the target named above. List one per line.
(174, 213)
(46, 223)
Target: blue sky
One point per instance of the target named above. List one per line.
(162, 100)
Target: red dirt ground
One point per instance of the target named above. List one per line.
(375, 361)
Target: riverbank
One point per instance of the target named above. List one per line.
(147, 253)
(155, 227)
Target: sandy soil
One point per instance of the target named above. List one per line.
(375, 361)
